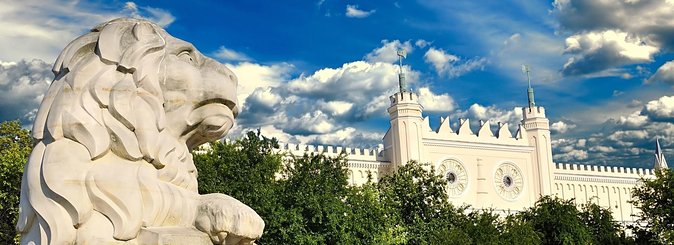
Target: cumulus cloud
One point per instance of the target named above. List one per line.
(599, 51)
(561, 127)
(627, 140)
(632, 121)
(421, 43)
(357, 81)
(664, 74)
(607, 34)
(446, 64)
(571, 156)
(40, 29)
(388, 52)
(435, 102)
(253, 76)
(352, 11)
(323, 106)
(493, 114)
(156, 15)
(661, 109)
(225, 54)
(348, 136)
(22, 87)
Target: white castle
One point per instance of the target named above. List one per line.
(486, 169)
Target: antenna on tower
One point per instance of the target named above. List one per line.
(401, 76)
(530, 90)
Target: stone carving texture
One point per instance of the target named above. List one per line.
(112, 161)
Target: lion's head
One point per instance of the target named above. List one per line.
(130, 91)
(143, 78)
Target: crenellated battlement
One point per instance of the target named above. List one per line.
(404, 97)
(373, 154)
(532, 112)
(565, 167)
(502, 134)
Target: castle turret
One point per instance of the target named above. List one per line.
(660, 162)
(537, 127)
(404, 136)
(405, 132)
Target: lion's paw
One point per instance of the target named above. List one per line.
(227, 220)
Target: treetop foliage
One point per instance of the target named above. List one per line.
(308, 200)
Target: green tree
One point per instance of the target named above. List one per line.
(303, 200)
(315, 187)
(517, 231)
(486, 227)
(15, 147)
(246, 170)
(416, 198)
(558, 220)
(369, 219)
(655, 199)
(601, 225)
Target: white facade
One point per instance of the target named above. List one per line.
(488, 169)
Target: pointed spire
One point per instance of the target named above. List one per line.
(401, 76)
(660, 161)
(530, 90)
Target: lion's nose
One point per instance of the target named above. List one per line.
(224, 84)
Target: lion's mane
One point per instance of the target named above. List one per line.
(105, 103)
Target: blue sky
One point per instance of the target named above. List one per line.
(320, 72)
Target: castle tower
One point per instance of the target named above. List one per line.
(660, 162)
(405, 134)
(537, 127)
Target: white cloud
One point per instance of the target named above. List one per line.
(335, 108)
(388, 52)
(664, 74)
(225, 54)
(446, 64)
(40, 29)
(608, 34)
(480, 112)
(22, 87)
(315, 122)
(571, 156)
(625, 140)
(264, 98)
(348, 136)
(357, 82)
(352, 11)
(421, 43)
(604, 149)
(561, 127)
(252, 76)
(633, 121)
(438, 58)
(601, 50)
(156, 15)
(435, 102)
(661, 109)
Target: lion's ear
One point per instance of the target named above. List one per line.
(110, 42)
(125, 46)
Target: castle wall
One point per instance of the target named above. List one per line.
(608, 187)
(484, 168)
(362, 163)
(481, 162)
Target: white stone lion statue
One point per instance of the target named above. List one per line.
(112, 161)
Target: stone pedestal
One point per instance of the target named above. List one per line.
(172, 236)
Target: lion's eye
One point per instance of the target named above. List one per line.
(186, 56)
